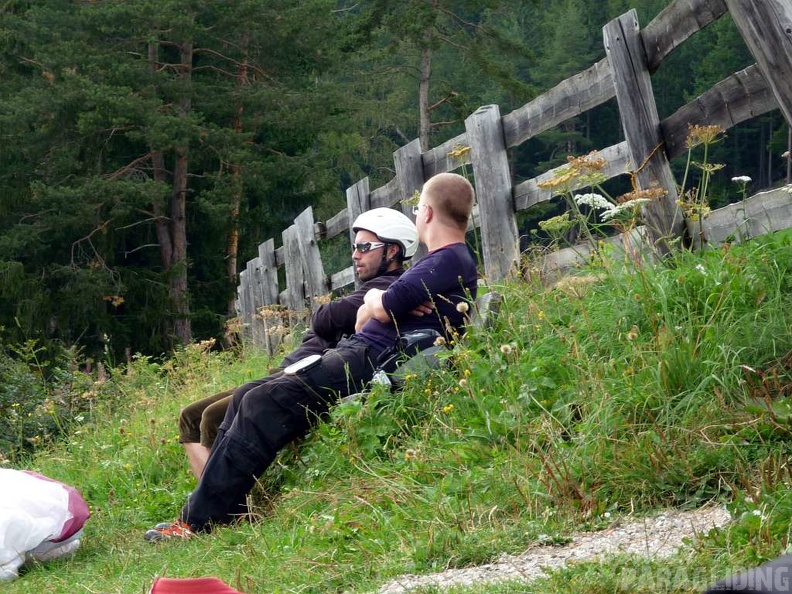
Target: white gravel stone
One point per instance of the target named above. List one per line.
(651, 538)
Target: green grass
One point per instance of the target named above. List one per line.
(621, 391)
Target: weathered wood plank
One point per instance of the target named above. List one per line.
(313, 270)
(243, 307)
(740, 97)
(634, 245)
(409, 175)
(766, 27)
(337, 224)
(238, 300)
(253, 268)
(675, 24)
(760, 214)
(436, 160)
(357, 203)
(499, 238)
(641, 125)
(385, 196)
(252, 299)
(269, 272)
(342, 278)
(280, 256)
(258, 329)
(528, 193)
(570, 98)
(295, 277)
(409, 170)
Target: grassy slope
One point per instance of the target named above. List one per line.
(622, 391)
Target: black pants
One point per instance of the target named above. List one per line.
(238, 395)
(268, 417)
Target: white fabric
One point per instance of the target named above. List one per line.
(32, 512)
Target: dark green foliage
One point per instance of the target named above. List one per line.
(42, 396)
(87, 208)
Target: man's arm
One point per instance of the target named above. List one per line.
(375, 309)
(371, 308)
(332, 320)
(435, 277)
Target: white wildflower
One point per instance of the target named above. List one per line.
(701, 269)
(741, 179)
(626, 207)
(594, 201)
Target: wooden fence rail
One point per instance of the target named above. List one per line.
(632, 55)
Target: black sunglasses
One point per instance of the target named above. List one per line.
(366, 246)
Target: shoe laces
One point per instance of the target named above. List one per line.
(176, 529)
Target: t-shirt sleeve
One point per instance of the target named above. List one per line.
(437, 273)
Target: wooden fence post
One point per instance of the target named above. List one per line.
(766, 27)
(295, 297)
(641, 125)
(243, 307)
(410, 177)
(268, 275)
(254, 302)
(295, 276)
(313, 271)
(358, 201)
(269, 272)
(499, 239)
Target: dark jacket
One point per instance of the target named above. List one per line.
(331, 321)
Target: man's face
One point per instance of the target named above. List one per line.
(367, 263)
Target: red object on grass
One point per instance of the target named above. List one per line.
(204, 585)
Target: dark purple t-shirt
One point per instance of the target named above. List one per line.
(445, 277)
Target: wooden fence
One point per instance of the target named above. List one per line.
(632, 55)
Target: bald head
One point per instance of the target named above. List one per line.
(451, 197)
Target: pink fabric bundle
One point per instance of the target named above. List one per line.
(40, 519)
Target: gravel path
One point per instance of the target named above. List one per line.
(655, 537)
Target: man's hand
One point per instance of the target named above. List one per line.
(371, 308)
(423, 310)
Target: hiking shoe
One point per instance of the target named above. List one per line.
(168, 531)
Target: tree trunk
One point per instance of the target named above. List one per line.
(232, 249)
(161, 222)
(425, 121)
(423, 91)
(178, 224)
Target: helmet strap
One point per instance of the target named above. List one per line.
(385, 262)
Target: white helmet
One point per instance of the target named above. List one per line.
(390, 226)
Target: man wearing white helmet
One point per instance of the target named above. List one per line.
(384, 239)
(271, 416)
